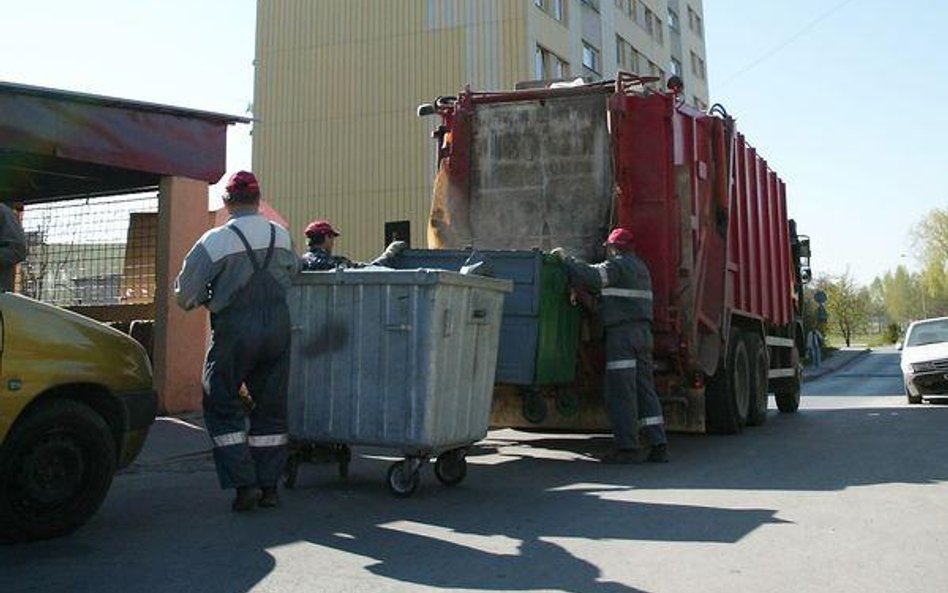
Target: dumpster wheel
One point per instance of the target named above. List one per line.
(534, 407)
(451, 467)
(567, 402)
(291, 470)
(403, 478)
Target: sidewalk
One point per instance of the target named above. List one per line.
(175, 437)
(839, 359)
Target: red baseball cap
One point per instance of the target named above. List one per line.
(243, 181)
(621, 238)
(320, 227)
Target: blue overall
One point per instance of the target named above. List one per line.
(250, 341)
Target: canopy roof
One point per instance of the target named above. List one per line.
(58, 144)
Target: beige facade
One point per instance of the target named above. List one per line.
(338, 81)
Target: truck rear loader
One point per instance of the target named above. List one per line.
(538, 168)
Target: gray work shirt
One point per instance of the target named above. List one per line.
(218, 266)
(12, 246)
(623, 283)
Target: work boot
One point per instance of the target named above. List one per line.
(620, 457)
(269, 498)
(245, 500)
(658, 454)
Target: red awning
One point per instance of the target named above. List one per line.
(57, 144)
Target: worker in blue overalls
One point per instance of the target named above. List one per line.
(240, 271)
(624, 286)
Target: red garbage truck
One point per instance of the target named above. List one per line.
(538, 168)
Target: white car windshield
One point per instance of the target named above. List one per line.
(928, 332)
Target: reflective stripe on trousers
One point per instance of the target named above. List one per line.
(268, 440)
(230, 438)
(616, 365)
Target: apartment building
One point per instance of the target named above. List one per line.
(337, 83)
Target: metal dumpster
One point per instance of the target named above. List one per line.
(539, 336)
(402, 359)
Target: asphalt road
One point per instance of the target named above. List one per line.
(847, 495)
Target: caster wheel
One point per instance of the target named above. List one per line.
(344, 454)
(401, 480)
(451, 467)
(291, 471)
(534, 406)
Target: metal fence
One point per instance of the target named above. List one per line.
(93, 251)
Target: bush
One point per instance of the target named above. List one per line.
(892, 333)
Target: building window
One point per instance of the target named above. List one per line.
(547, 65)
(591, 57)
(694, 22)
(673, 23)
(627, 57)
(697, 65)
(674, 67)
(655, 70)
(554, 8)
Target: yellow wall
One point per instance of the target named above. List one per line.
(337, 84)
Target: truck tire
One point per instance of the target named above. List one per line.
(56, 467)
(759, 366)
(788, 394)
(728, 392)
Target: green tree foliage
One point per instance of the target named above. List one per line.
(901, 294)
(930, 238)
(847, 304)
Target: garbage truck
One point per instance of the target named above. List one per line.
(531, 169)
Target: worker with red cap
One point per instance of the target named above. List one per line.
(321, 236)
(624, 286)
(240, 272)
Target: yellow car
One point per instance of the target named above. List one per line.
(76, 403)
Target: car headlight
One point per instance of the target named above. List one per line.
(923, 367)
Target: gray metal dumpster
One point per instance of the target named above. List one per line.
(402, 359)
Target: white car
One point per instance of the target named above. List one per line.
(925, 359)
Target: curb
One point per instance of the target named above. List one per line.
(825, 370)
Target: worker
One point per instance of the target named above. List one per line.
(814, 341)
(12, 246)
(240, 272)
(624, 287)
(321, 236)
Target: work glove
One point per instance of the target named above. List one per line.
(394, 248)
(559, 253)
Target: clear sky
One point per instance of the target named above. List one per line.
(845, 98)
(847, 101)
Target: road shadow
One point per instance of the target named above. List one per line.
(511, 540)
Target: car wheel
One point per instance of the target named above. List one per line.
(56, 467)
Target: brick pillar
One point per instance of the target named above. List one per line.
(180, 336)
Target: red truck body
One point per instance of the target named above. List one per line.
(708, 214)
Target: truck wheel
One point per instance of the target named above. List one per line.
(55, 470)
(788, 394)
(728, 392)
(759, 366)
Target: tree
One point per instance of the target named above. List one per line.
(847, 304)
(930, 239)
